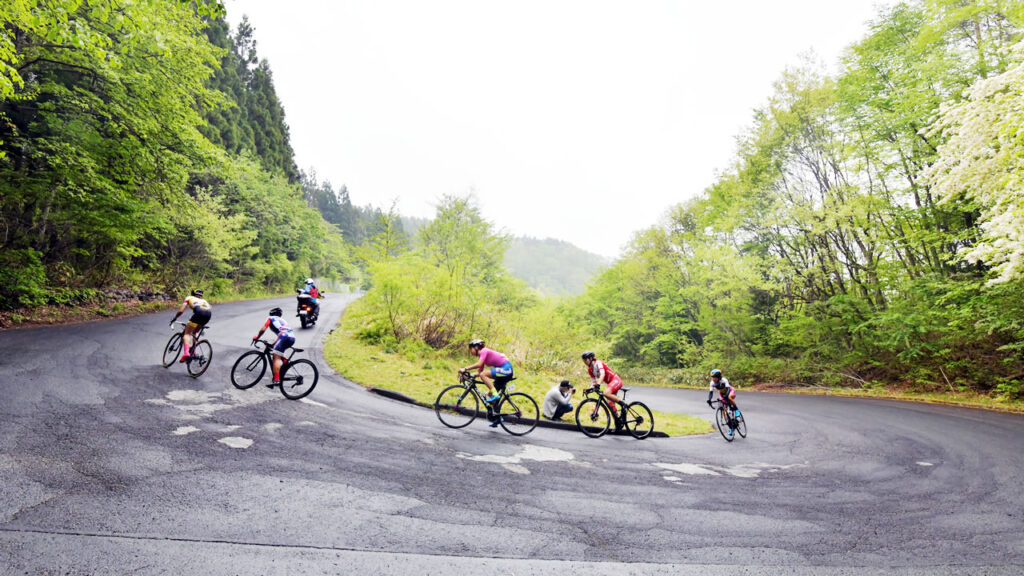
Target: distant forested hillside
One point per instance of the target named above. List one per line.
(552, 267)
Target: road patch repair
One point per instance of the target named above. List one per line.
(530, 452)
(236, 441)
(196, 404)
(741, 471)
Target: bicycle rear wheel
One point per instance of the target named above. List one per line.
(171, 349)
(639, 420)
(593, 418)
(202, 355)
(456, 406)
(741, 426)
(518, 414)
(248, 369)
(298, 378)
(722, 421)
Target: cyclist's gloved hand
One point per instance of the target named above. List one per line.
(709, 402)
(171, 324)
(254, 339)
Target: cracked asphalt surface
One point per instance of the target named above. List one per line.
(111, 464)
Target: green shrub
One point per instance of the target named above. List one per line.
(22, 279)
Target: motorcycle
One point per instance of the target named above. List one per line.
(306, 310)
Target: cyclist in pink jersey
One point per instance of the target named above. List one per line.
(492, 367)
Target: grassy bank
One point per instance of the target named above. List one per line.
(421, 375)
(927, 394)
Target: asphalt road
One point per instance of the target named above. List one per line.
(111, 464)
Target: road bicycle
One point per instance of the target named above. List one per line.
(202, 351)
(298, 377)
(459, 405)
(728, 420)
(594, 415)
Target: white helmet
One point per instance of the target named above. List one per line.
(309, 280)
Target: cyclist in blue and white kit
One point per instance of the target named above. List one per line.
(285, 340)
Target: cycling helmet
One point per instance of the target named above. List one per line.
(716, 373)
(275, 312)
(475, 343)
(588, 354)
(198, 292)
(309, 280)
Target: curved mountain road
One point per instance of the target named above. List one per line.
(111, 464)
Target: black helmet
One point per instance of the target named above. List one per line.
(476, 342)
(716, 373)
(198, 292)
(588, 355)
(275, 312)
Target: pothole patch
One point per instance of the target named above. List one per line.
(236, 441)
(514, 463)
(740, 471)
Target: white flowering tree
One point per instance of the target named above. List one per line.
(983, 161)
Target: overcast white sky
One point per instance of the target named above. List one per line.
(582, 120)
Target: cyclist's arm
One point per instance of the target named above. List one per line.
(262, 330)
(479, 367)
(180, 310)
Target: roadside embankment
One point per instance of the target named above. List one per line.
(421, 376)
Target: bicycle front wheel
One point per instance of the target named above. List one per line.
(456, 406)
(518, 414)
(171, 349)
(639, 420)
(298, 378)
(741, 426)
(202, 355)
(248, 369)
(722, 421)
(593, 418)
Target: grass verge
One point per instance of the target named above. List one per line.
(422, 376)
(951, 398)
(665, 378)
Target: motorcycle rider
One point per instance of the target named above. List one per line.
(314, 295)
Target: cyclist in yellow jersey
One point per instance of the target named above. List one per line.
(200, 316)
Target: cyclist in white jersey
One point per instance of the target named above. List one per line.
(285, 340)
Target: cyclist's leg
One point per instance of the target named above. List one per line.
(488, 380)
(610, 392)
(199, 319)
(186, 339)
(283, 343)
(501, 374)
(730, 406)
